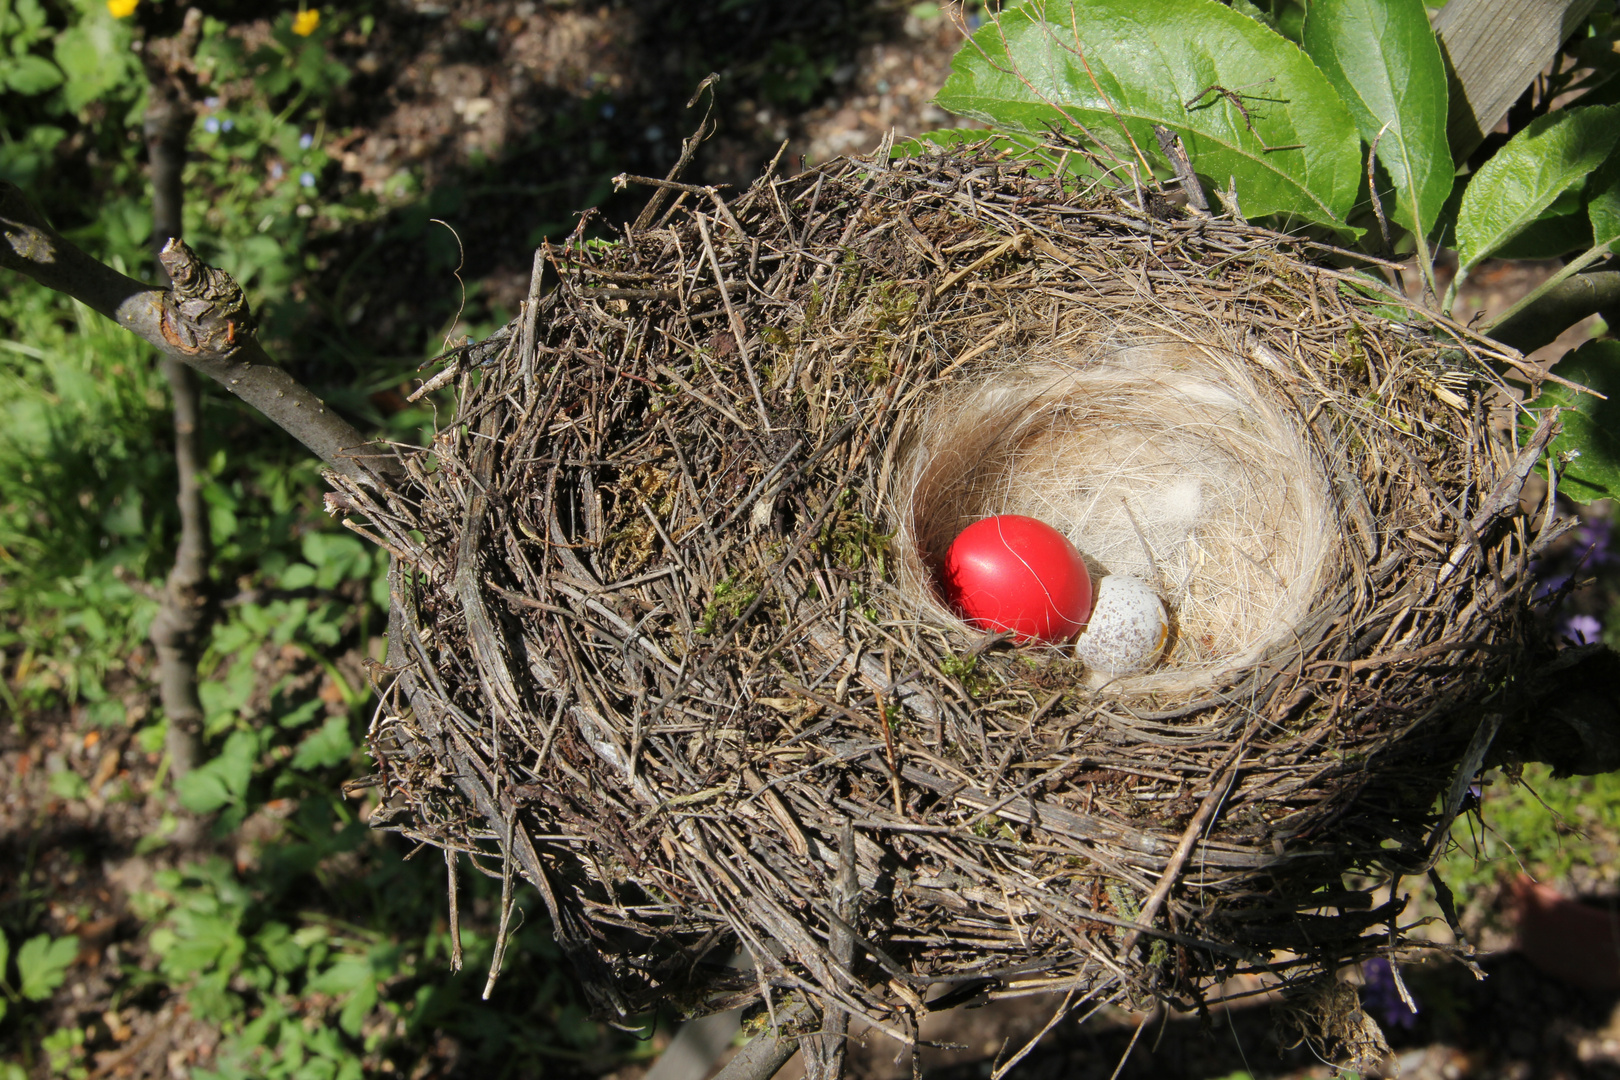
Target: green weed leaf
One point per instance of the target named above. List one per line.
(1551, 156)
(42, 964)
(1383, 59)
(326, 746)
(1589, 444)
(31, 75)
(359, 1006)
(1247, 103)
(97, 59)
(67, 784)
(223, 780)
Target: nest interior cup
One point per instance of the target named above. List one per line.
(1166, 459)
(665, 641)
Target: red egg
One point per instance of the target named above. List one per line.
(1015, 573)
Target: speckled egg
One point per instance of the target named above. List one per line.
(1127, 629)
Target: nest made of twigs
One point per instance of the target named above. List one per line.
(667, 642)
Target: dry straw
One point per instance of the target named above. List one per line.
(665, 642)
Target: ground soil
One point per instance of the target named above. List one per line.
(516, 107)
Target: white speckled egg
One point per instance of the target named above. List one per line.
(1127, 630)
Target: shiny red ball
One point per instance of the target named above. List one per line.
(1016, 573)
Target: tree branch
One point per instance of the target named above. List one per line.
(764, 1057)
(204, 321)
(182, 620)
(1561, 307)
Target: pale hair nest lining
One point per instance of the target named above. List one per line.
(1166, 461)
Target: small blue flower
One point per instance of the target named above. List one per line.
(211, 103)
(276, 171)
(306, 178)
(227, 124)
(1583, 629)
(211, 125)
(305, 141)
(608, 111)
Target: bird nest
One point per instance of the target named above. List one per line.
(666, 639)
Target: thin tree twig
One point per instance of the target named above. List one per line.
(203, 320)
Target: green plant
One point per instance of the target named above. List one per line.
(1537, 825)
(42, 963)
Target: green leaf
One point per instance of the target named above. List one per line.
(358, 1007)
(326, 746)
(299, 575)
(1119, 67)
(1553, 235)
(1383, 59)
(1554, 154)
(280, 950)
(1603, 202)
(1589, 444)
(42, 964)
(97, 58)
(32, 75)
(67, 784)
(223, 780)
(347, 974)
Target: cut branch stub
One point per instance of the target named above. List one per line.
(207, 312)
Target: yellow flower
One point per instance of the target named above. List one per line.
(304, 23)
(121, 9)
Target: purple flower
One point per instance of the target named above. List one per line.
(211, 125)
(305, 141)
(1592, 537)
(211, 103)
(1550, 584)
(1381, 997)
(1582, 629)
(306, 178)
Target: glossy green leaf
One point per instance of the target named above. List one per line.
(1552, 236)
(1247, 103)
(1554, 154)
(1589, 444)
(1383, 59)
(1603, 202)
